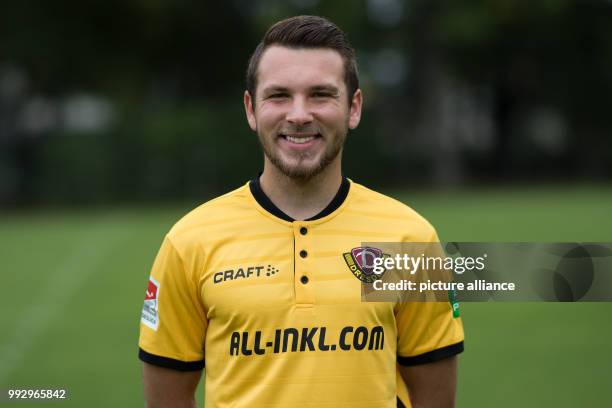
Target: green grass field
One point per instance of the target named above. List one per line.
(72, 285)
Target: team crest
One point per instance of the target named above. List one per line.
(361, 263)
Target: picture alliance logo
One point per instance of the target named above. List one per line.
(362, 262)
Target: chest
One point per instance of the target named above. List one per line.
(290, 291)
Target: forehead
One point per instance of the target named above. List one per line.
(299, 67)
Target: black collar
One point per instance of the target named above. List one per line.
(269, 206)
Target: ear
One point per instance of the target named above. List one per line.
(250, 111)
(355, 109)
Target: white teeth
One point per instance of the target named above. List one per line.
(299, 140)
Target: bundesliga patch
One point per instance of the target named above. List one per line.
(452, 298)
(150, 309)
(361, 262)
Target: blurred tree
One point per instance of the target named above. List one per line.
(456, 91)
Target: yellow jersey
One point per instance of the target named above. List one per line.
(272, 310)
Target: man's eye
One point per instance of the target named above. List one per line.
(322, 95)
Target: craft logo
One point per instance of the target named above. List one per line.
(150, 309)
(246, 272)
(361, 262)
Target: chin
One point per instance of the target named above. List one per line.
(300, 172)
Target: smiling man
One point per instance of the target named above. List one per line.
(262, 286)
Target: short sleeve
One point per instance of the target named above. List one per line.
(428, 331)
(173, 323)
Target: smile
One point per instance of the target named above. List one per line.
(301, 139)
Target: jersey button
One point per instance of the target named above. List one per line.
(303, 230)
(303, 253)
(304, 279)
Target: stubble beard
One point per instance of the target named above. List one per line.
(299, 171)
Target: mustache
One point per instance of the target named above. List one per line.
(307, 129)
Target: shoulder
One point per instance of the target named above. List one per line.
(371, 203)
(194, 225)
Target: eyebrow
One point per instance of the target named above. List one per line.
(316, 88)
(328, 88)
(274, 89)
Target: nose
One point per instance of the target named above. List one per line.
(299, 113)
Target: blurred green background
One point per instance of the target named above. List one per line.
(141, 101)
(491, 118)
(73, 289)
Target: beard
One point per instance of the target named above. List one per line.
(301, 170)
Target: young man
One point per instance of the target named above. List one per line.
(256, 285)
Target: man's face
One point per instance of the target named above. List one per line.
(301, 113)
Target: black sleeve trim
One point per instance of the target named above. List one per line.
(432, 356)
(170, 362)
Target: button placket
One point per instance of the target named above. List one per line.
(303, 264)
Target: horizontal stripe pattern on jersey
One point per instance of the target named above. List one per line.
(272, 308)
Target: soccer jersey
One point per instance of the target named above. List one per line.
(272, 307)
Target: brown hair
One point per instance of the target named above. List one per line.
(306, 32)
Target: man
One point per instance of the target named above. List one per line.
(257, 284)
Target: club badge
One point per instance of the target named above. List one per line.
(360, 261)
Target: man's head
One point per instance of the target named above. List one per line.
(306, 32)
(303, 95)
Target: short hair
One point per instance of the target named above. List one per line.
(306, 32)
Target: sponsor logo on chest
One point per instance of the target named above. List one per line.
(293, 340)
(247, 272)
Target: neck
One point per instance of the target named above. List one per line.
(301, 199)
